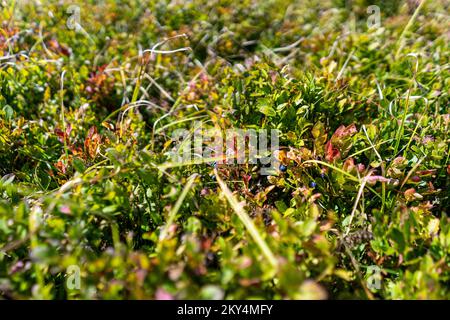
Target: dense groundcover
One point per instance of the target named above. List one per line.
(93, 207)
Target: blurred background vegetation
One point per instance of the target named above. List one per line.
(86, 120)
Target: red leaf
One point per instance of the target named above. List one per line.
(331, 153)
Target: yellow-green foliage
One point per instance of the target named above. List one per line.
(87, 114)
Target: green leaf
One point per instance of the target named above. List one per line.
(265, 108)
(399, 239)
(9, 112)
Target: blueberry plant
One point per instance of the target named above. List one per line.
(92, 92)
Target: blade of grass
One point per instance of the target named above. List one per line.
(360, 192)
(352, 177)
(413, 169)
(407, 27)
(247, 221)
